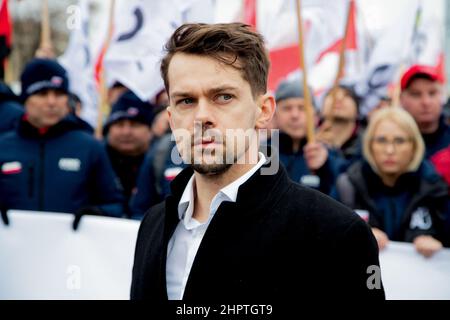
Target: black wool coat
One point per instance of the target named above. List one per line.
(278, 242)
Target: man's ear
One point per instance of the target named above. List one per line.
(267, 105)
(169, 113)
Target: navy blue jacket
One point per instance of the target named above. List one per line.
(62, 170)
(323, 179)
(414, 206)
(10, 109)
(155, 175)
(438, 140)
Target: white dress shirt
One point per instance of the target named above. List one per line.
(189, 232)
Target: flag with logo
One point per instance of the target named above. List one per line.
(141, 30)
(414, 35)
(324, 25)
(77, 60)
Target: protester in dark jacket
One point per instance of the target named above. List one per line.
(235, 228)
(310, 164)
(402, 197)
(49, 163)
(161, 165)
(10, 108)
(422, 90)
(128, 138)
(341, 126)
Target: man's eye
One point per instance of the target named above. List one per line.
(185, 101)
(221, 98)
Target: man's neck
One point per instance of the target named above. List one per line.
(429, 127)
(342, 132)
(207, 186)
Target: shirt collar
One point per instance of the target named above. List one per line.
(227, 193)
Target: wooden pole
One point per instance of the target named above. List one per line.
(45, 46)
(398, 88)
(341, 66)
(104, 107)
(307, 96)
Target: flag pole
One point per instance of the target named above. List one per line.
(45, 46)
(104, 107)
(341, 66)
(397, 88)
(307, 96)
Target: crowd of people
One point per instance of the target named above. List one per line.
(392, 167)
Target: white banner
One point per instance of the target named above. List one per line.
(41, 257)
(407, 275)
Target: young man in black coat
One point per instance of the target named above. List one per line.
(235, 229)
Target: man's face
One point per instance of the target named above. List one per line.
(47, 107)
(423, 100)
(291, 117)
(129, 137)
(209, 103)
(344, 106)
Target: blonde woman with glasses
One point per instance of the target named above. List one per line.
(393, 187)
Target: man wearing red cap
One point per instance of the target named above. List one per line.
(422, 90)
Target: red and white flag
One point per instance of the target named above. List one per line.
(324, 25)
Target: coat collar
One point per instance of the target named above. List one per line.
(257, 193)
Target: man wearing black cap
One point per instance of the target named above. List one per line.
(128, 132)
(421, 96)
(50, 163)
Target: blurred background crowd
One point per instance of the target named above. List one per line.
(84, 127)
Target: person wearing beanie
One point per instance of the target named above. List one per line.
(341, 127)
(422, 96)
(128, 137)
(50, 163)
(310, 164)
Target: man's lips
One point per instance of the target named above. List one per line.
(204, 141)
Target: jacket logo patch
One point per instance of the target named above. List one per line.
(11, 167)
(421, 219)
(310, 181)
(69, 164)
(171, 173)
(364, 214)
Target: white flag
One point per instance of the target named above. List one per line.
(77, 60)
(413, 36)
(141, 29)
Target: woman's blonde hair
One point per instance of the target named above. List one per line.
(407, 123)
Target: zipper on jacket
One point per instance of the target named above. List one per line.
(31, 181)
(41, 175)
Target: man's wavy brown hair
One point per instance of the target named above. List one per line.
(233, 44)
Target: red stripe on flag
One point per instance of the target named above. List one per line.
(5, 23)
(283, 61)
(351, 43)
(250, 12)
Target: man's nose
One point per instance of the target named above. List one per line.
(126, 129)
(204, 113)
(51, 98)
(426, 100)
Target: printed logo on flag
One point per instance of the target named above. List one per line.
(69, 164)
(171, 173)
(13, 167)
